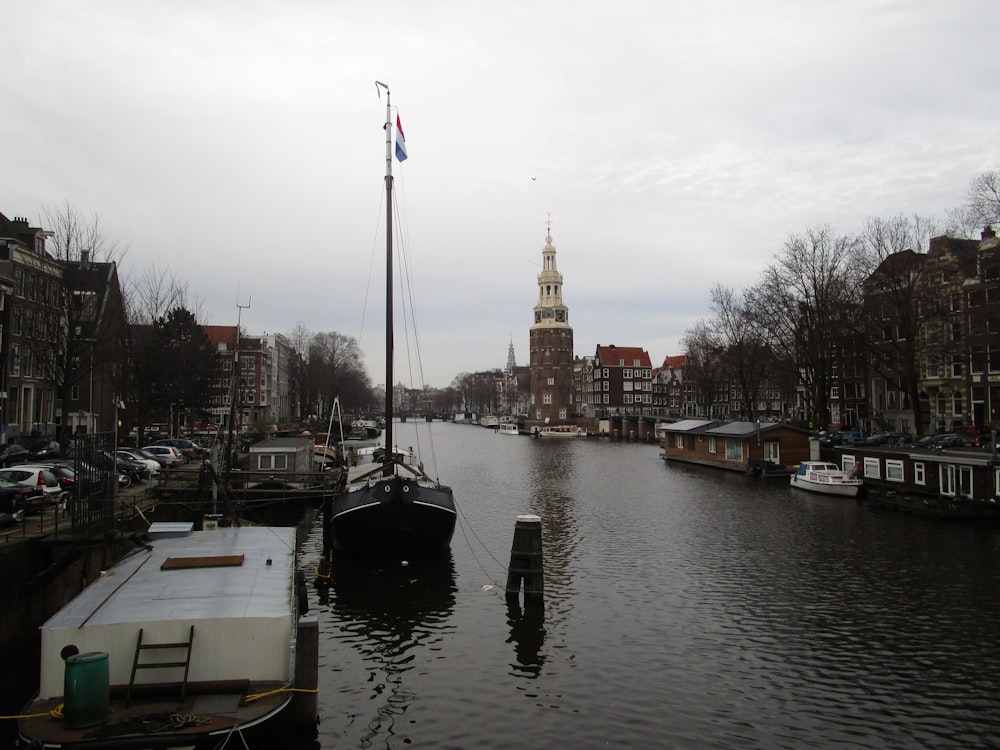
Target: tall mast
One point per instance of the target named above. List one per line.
(388, 277)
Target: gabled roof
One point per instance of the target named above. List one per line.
(609, 356)
(675, 362)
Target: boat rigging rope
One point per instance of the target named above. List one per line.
(466, 527)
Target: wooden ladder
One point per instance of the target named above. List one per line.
(175, 664)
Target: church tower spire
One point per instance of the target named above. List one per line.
(551, 347)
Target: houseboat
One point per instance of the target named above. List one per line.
(756, 448)
(167, 647)
(956, 483)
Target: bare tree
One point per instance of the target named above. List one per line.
(703, 366)
(75, 236)
(981, 207)
(152, 294)
(744, 340)
(894, 251)
(335, 367)
(809, 296)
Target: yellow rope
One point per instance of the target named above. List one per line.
(258, 696)
(55, 713)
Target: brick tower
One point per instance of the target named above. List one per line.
(551, 345)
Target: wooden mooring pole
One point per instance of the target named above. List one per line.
(526, 562)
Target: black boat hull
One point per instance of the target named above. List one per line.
(394, 516)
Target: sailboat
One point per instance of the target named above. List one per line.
(392, 507)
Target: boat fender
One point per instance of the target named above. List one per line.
(302, 592)
(68, 651)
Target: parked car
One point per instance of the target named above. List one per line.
(44, 450)
(17, 499)
(166, 453)
(12, 453)
(28, 475)
(129, 454)
(188, 448)
(885, 438)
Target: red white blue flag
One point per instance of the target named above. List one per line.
(400, 141)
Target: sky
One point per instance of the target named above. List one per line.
(671, 146)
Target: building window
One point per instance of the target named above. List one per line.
(547, 398)
(893, 470)
(734, 449)
(552, 381)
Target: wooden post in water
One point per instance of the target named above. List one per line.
(526, 561)
(304, 705)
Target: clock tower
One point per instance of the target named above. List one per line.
(551, 345)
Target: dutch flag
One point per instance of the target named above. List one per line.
(400, 141)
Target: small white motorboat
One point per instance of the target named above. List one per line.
(826, 478)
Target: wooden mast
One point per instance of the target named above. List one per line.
(388, 279)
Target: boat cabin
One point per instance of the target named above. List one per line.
(283, 455)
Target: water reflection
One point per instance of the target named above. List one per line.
(527, 633)
(388, 612)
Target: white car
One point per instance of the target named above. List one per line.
(136, 455)
(170, 455)
(34, 476)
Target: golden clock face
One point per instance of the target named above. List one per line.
(560, 315)
(538, 317)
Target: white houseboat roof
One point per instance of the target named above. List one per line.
(234, 585)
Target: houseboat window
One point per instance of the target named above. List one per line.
(996, 482)
(771, 451)
(264, 461)
(734, 449)
(872, 468)
(893, 470)
(679, 441)
(847, 462)
(965, 481)
(713, 448)
(919, 476)
(281, 461)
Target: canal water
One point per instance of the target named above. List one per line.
(684, 608)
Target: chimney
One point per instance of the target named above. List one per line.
(988, 233)
(85, 259)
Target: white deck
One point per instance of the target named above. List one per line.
(244, 617)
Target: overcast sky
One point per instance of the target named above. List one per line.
(675, 145)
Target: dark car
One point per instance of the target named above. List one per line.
(884, 438)
(12, 453)
(44, 450)
(16, 498)
(188, 448)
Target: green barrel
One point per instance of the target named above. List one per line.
(86, 692)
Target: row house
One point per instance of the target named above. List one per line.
(668, 388)
(33, 300)
(622, 381)
(62, 328)
(264, 398)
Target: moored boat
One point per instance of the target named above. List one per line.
(186, 642)
(392, 507)
(826, 478)
(560, 431)
(509, 428)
